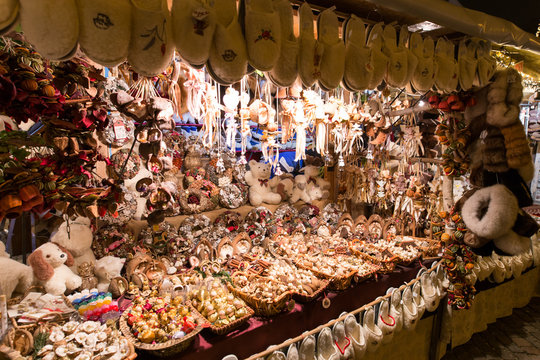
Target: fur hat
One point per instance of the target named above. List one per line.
(518, 152)
(493, 151)
(490, 211)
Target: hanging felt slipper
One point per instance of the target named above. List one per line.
(9, 11)
(51, 26)
(412, 59)
(424, 74)
(227, 62)
(357, 55)
(378, 62)
(355, 332)
(333, 58)
(342, 342)
(499, 272)
(193, 29)
(373, 333)
(418, 299)
(262, 30)
(277, 355)
(396, 75)
(307, 348)
(396, 308)
(292, 353)
(105, 30)
(385, 321)
(410, 310)
(490, 212)
(517, 266)
(429, 292)
(309, 57)
(151, 48)
(486, 63)
(446, 68)
(467, 63)
(326, 349)
(285, 70)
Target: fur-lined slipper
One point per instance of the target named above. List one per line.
(374, 335)
(410, 310)
(277, 355)
(501, 114)
(378, 62)
(262, 30)
(355, 332)
(310, 54)
(307, 348)
(9, 12)
(285, 70)
(518, 152)
(292, 353)
(490, 211)
(333, 59)
(418, 299)
(467, 63)
(105, 30)
(193, 29)
(326, 350)
(429, 291)
(151, 48)
(486, 63)
(396, 75)
(227, 62)
(412, 59)
(385, 321)
(357, 55)
(396, 308)
(51, 26)
(424, 75)
(499, 272)
(446, 67)
(342, 342)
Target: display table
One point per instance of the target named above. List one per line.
(260, 333)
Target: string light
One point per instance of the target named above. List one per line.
(504, 60)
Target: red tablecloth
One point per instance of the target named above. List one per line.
(260, 333)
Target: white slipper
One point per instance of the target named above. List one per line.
(429, 292)
(342, 342)
(442, 280)
(484, 269)
(467, 63)
(424, 74)
(326, 349)
(355, 332)
(292, 353)
(52, 26)
(373, 333)
(227, 62)
(285, 70)
(517, 266)
(410, 310)
(277, 355)
(418, 299)
(507, 261)
(105, 30)
(486, 63)
(412, 59)
(9, 12)
(333, 59)
(446, 67)
(385, 321)
(262, 30)
(396, 308)
(357, 55)
(527, 260)
(378, 62)
(151, 48)
(512, 243)
(307, 348)
(194, 24)
(499, 273)
(396, 75)
(310, 53)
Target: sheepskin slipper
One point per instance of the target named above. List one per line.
(105, 30)
(378, 62)
(227, 62)
(342, 342)
(385, 321)
(151, 48)
(429, 291)
(423, 77)
(333, 58)
(193, 29)
(262, 30)
(412, 59)
(285, 70)
(52, 26)
(357, 55)
(418, 299)
(307, 348)
(446, 67)
(410, 310)
(277, 355)
(467, 63)
(486, 63)
(512, 244)
(310, 51)
(373, 333)
(326, 350)
(490, 211)
(396, 75)
(292, 353)
(9, 11)
(355, 333)
(396, 308)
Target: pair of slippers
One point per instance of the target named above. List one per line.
(321, 60)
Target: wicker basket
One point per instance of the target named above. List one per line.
(385, 266)
(222, 330)
(336, 282)
(168, 348)
(308, 298)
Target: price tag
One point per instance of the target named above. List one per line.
(120, 132)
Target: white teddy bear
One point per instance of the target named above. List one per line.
(260, 184)
(78, 243)
(49, 263)
(14, 276)
(314, 179)
(106, 269)
(305, 191)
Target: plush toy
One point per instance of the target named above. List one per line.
(305, 191)
(260, 184)
(285, 187)
(14, 276)
(49, 263)
(106, 269)
(314, 177)
(78, 242)
(86, 272)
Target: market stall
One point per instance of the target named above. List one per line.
(257, 179)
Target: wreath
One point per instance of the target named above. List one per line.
(114, 240)
(233, 196)
(195, 201)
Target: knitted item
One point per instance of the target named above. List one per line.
(494, 153)
(518, 153)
